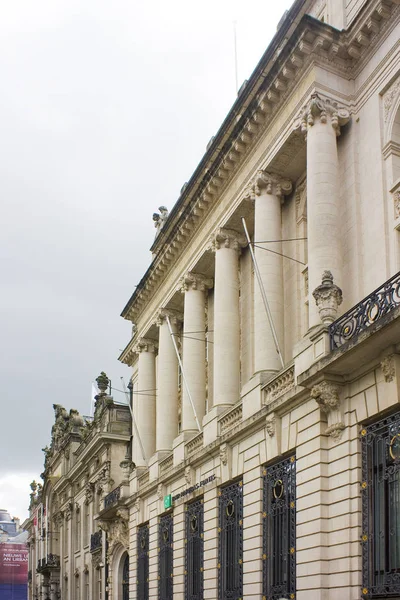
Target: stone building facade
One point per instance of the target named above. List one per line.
(84, 494)
(267, 460)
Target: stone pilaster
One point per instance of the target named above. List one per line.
(145, 402)
(269, 190)
(167, 382)
(194, 287)
(321, 120)
(227, 245)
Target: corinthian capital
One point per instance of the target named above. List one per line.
(174, 316)
(195, 281)
(145, 345)
(227, 238)
(324, 109)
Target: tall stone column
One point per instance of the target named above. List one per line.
(269, 190)
(145, 402)
(321, 120)
(167, 382)
(226, 244)
(194, 287)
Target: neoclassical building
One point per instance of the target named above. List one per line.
(266, 391)
(78, 524)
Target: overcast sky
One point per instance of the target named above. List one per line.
(105, 109)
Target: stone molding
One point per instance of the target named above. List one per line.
(145, 345)
(175, 317)
(227, 238)
(195, 281)
(326, 395)
(268, 183)
(328, 297)
(325, 110)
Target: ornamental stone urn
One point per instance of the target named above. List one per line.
(328, 298)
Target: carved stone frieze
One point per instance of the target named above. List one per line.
(195, 281)
(324, 109)
(328, 298)
(227, 238)
(388, 368)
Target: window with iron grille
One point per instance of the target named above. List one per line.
(125, 579)
(142, 580)
(194, 550)
(165, 557)
(380, 443)
(279, 530)
(230, 543)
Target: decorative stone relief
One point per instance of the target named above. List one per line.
(396, 201)
(68, 510)
(388, 368)
(117, 531)
(188, 475)
(195, 281)
(89, 491)
(227, 238)
(301, 202)
(223, 454)
(322, 108)
(160, 491)
(328, 298)
(389, 97)
(270, 425)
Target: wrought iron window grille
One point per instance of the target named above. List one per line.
(279, 530)
(112, 498)
(142, 581)
(125, 579)
(230, 542)
(194, 550)
(367, 312)
(165, 557)
(96, 541)
(380, 491)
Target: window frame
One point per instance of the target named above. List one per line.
(194, 550)
(230, 541)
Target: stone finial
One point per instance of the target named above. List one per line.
(160, 218)
(328, 298)
(322, 108)
(33, 485)
(102, 382)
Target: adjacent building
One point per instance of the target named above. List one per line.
(266, 391)
(87, 459)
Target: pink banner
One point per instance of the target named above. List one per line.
(13, 564)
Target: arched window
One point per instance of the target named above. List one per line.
(125, 579)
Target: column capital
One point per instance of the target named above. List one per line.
(324, 109)
(195, 281)
(227, 238)
(174, 316)
(145, 345)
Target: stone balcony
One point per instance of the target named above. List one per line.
(49, 563)
(113, 501)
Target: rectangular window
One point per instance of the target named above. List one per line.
(165, 557)
(78, 529)
(86, 527)
(143, 562)
(194, 550)
(230, 543)
(380, 444)
(279, 530)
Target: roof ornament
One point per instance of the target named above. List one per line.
(160, 218)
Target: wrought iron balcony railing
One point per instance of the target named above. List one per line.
(367, 312)
(112, 498)
(51, 562)
(96, 541)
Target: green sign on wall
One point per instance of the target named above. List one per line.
(167, 501)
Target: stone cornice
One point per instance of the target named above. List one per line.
(300, 40)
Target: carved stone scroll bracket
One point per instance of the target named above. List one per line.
(328, 298)
(272, 435)
(327, 396)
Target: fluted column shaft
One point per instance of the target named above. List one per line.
(145, 402)
(321, 122)
(268, 193)
(167, 384)
(194, 287)
(226, 245)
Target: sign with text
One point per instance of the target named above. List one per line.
(13, 564)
